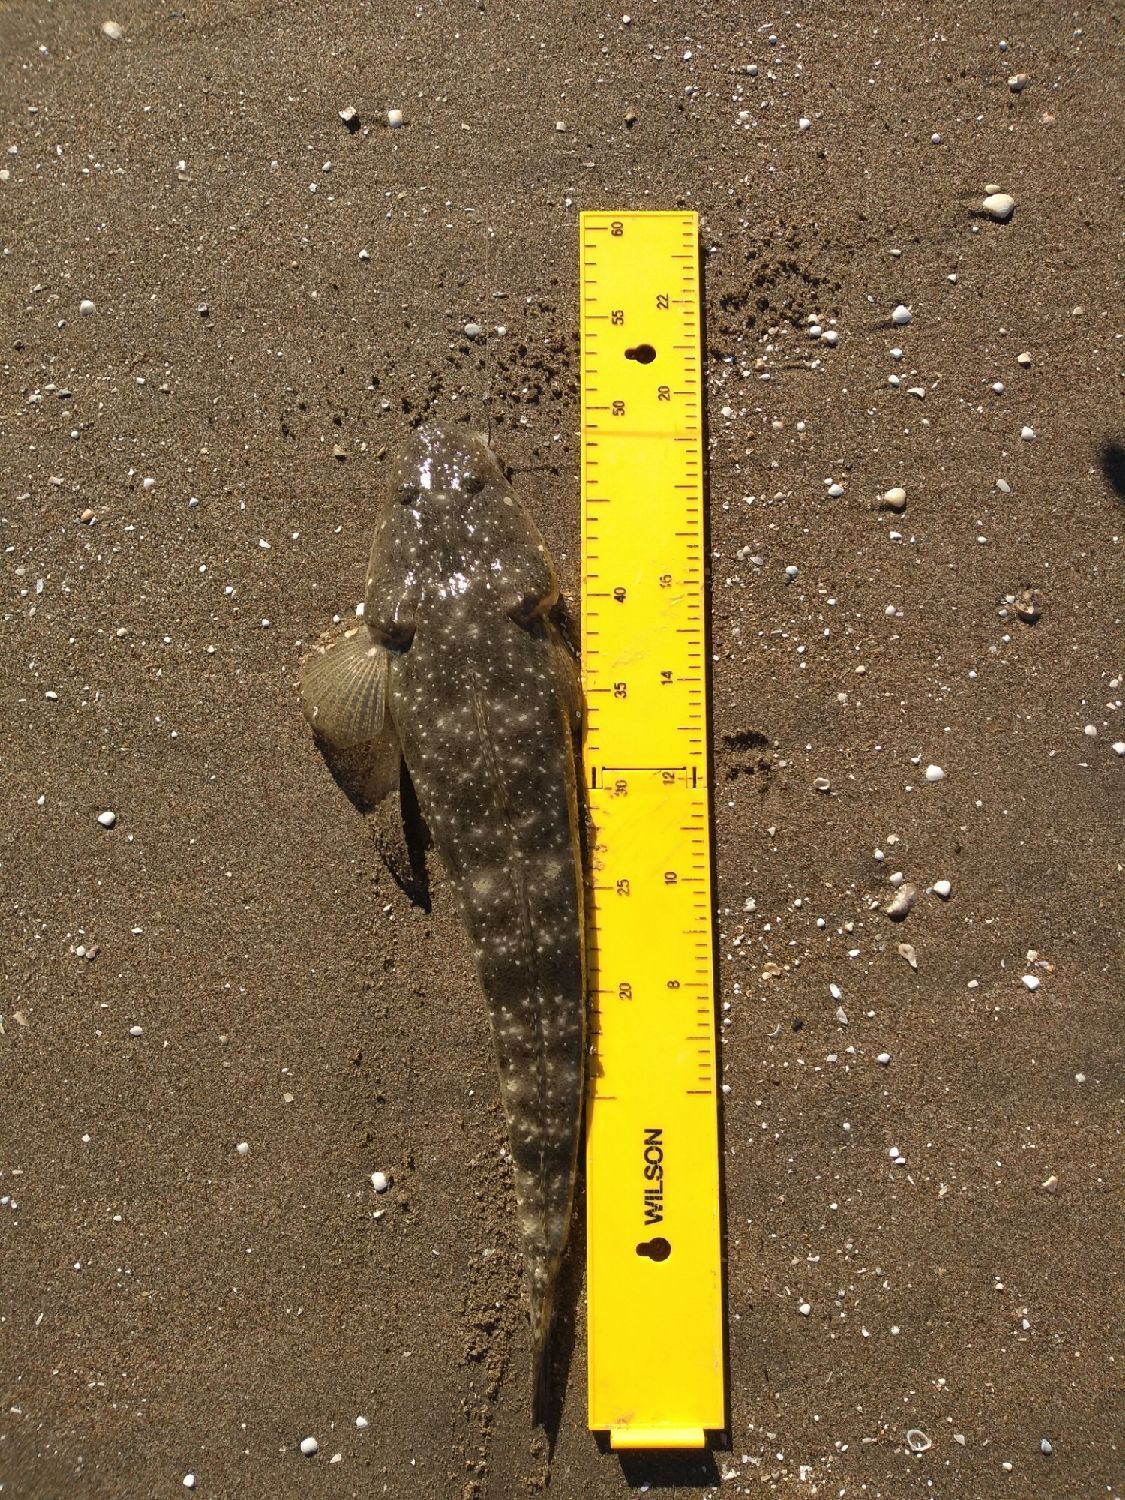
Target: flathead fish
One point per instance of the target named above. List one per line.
(459, 668)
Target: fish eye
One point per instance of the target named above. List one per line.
(472, 484)
(407, 494)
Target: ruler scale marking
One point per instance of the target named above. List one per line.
(656, 1355)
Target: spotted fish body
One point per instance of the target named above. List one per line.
(459, 669)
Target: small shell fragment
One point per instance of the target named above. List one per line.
(108, 818)
(394, 118)
(113, 30)
(1029, 605)
(943, 889)
(902, 315)
(902, 904)
(894, 498)
(934, 773)
(918, 1441)
(906, 950)
(999, 206)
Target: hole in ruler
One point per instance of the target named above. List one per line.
(644, 354)
(657, 1249)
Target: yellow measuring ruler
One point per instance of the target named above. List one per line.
(653, 1240)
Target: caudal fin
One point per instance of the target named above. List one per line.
(541, 1310)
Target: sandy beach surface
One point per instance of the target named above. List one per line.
(922, 1165)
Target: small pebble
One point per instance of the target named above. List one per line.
(87, 516)
(830, 337)
(309, 1446)
(1118, 747)
(902, 315)
(822, 784)
(1050, 1184)
(472, 330)
(243, 1148)
(87, 308)
(934, 773)
(394, 118)
(1030, 982)
(1023, 359)
(935, 139)
(943, 889)
(1027, 434)
(1018, 82)
(804, 1309)
(148, 484)
(107, 819)
(998, 387)
(791, 571)
(350, 118)
(902, 904)
(113, 30)
(1046, 1447)
(1091, 731)
(918, 1441)
(804, 123)
(1000, 206)
(136, 1031)
(380, 1181)
(361, 1423)
(895, 498)
(189, 1481)
(884, 1059)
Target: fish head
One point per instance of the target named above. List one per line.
(450, 527)
(442, 465)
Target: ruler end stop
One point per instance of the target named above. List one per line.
(657, 1437)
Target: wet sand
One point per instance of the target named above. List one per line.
(171, 1306)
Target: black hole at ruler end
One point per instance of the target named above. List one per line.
(644, 354)
(657, 1249)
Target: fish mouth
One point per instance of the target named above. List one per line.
(444, 459)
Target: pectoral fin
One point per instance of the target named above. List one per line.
(344, 698)
(344, 688)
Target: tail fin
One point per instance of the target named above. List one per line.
(541, 1312)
